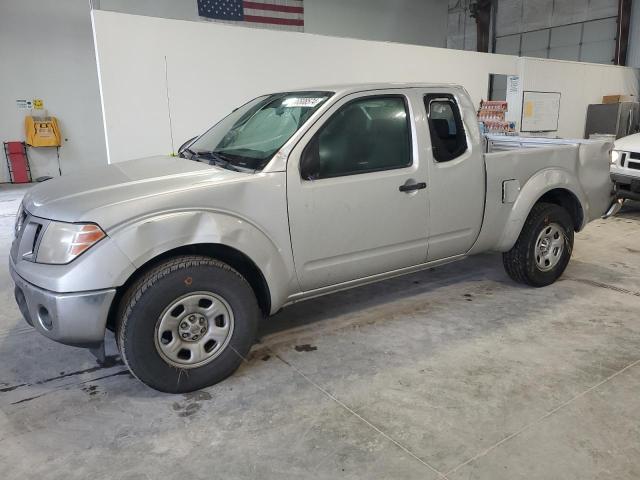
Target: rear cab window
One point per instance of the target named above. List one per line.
(448, 138)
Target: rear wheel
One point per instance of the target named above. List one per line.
(187, 324)
(543, 248)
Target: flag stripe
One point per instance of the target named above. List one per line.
(273, 8)
(274, 20)
(262, 13)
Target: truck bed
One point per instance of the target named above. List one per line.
(528, 165)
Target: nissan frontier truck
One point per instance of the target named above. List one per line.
(293, 195)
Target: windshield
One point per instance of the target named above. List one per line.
(252, 134)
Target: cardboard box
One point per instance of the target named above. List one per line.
(618, 98)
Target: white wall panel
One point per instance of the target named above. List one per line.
(568, 78)
(214, 68)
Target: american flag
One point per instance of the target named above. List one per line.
(286, 14)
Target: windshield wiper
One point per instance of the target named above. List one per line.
(217, 159)
(232, 166)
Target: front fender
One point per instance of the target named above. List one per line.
(542, 182)
(146, 238)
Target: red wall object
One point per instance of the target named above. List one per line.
(18, 162)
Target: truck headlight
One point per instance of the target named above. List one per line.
(63, 242)
(20, 215)
(615, 156)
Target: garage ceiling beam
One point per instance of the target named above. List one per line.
(622, 35)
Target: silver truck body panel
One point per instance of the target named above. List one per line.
(380, 228)
(92, 194)
(309, 238)
(579, 167)
(77, 319)
(249, 216)
(457, 199)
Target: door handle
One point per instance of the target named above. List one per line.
(412, 186)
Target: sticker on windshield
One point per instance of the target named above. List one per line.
(304, 102)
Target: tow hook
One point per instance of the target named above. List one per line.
(614, 208)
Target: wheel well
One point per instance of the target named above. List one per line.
(568, 201)
(232, 257)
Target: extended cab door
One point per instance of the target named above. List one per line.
(456, 172)
(356, 192)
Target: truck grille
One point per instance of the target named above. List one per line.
(628, 160)
(29, 230)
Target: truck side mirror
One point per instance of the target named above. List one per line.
(310, 160)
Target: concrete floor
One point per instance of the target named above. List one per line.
(456, 372)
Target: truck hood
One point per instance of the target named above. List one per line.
(630, 143)
(75, 197)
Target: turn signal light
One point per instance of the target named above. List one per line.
(87, 236)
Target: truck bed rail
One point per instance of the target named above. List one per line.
(504, 143)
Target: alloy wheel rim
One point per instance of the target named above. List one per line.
(549, 247)
(194, 329)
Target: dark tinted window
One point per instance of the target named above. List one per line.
(365, 135)
(447, 131)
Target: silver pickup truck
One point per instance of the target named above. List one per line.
(291, 196)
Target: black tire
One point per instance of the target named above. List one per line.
(148, 298)
(520, 262)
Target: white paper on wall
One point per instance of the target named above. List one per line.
(540, 111)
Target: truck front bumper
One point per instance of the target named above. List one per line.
(626, 186)
(77, 319)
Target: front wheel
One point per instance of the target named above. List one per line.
(187, 324)
(543, 248)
